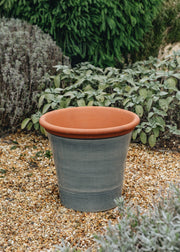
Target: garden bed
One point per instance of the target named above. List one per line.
(31, 215)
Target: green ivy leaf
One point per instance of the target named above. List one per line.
(152, 140)
(143, 137)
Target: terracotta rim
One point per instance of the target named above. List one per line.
(89, 122)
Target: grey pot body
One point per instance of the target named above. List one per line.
(90, 171)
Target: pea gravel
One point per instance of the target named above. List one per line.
(31, 215)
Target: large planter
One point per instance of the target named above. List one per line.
(89, 146)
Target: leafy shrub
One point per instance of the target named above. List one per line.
(157, 230)
(149, 88)
(101, 32)
(26, 56)
(172, 31)
(164, 30)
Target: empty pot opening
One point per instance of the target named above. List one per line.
(89, 122)
(86, 119)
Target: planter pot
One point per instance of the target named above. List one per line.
(89, 146)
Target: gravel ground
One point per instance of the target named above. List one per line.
(31, 215)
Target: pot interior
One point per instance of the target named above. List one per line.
(89, 120)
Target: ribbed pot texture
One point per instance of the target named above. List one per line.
(89, 146)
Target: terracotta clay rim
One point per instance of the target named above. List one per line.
(89, 133)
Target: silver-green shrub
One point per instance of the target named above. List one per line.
(149, 88)
(156, 230)
(26, 56)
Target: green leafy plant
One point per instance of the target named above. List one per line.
(26, 57)
(101, 32)
(165, 30)
(157, 230)
(148, 88)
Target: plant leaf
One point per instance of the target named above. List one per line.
(90, 103)
(171, 83)
(57, 81)
(134, 134)
(163, 103)
(43, 131)
(178, 95)
(81, 103)
(156, 132)
(41, 100)
(35, 118)
(25, 122)
(100, 98)
(36, 126)
(152, 140)
(143, 92)
(49, 97)
(45, 108)
(149, 104)
(143, 137)
(29, 126)
(139, 110)
(160, 121)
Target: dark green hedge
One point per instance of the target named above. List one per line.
(102, 32)
(165, 30)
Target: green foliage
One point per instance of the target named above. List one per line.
(101, 32)
(149, 88)
(165, 29)
(157, 230)
(27, 55)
